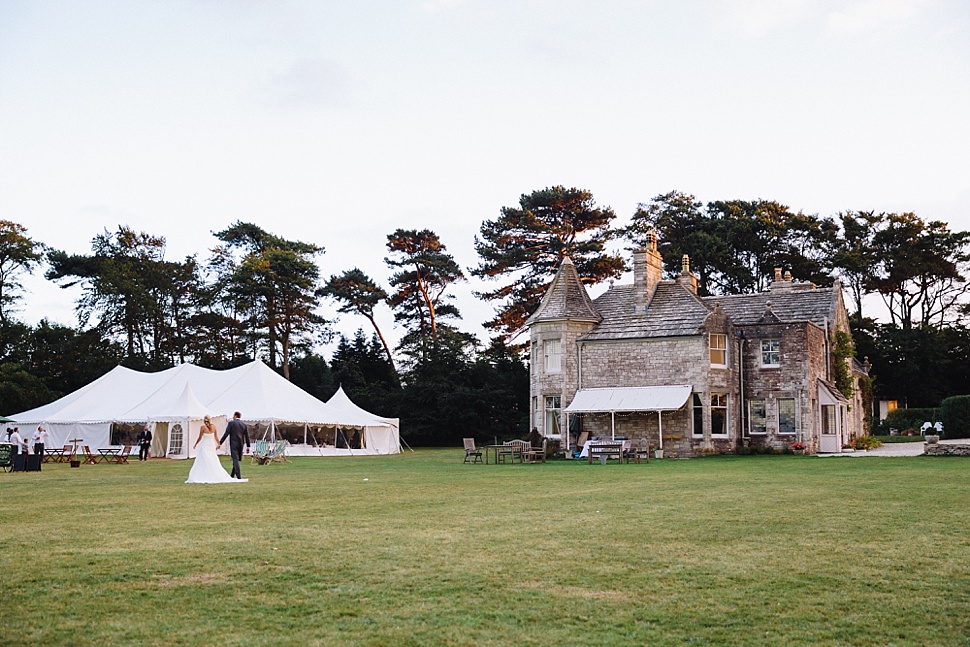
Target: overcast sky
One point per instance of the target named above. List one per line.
(337, 122)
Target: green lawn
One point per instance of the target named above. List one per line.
(419, 549)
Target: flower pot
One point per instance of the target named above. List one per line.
(658, 453)
(75, 463)
(932, 439)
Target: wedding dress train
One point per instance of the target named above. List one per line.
(207, 468)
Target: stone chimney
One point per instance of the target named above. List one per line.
(686, 278)
(785, 283)
(647, 273)
(780, 284)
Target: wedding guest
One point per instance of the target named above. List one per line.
(40, 442)
(144, 443)
(18, 443)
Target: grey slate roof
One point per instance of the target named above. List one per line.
(566, 298)
(676, 311)
(814, 305)
(672, 311)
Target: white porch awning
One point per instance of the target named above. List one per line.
(630, 398)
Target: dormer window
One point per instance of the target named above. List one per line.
(770, 352)
(718, 349)
(553, 355)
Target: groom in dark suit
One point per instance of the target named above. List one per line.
(236, 432)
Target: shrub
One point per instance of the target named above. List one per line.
(867, 442)
(955, 416)
(907, 418)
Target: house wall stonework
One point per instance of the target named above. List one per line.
(661, 362)
(792, 378)
(634, 337)
(563, 383)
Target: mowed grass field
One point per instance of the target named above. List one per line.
(420, 549)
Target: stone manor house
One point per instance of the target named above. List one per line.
(691, 374)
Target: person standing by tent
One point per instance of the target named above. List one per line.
(236, 432)
(144, 443)
(18, 444)
(40, 443)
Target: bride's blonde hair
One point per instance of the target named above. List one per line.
(206, 420)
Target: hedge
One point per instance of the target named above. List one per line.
(903, 419)
(955, 416)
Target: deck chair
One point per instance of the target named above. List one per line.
(278, 453)
(259, 452)
(471, 451)
(89, 458)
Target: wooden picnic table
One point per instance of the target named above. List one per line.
(604, 451)
(514, 450)
(108, 454)
(54, 455)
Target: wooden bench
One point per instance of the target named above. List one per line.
(604, 451)
(533, 454)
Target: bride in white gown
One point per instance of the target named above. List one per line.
(207, 468)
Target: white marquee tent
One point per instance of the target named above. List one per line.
(173, 403)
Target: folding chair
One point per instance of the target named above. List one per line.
(89, 458)
(122, 458)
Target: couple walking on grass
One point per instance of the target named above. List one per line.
(207, 468)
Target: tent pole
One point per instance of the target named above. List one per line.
(613, 424)
(660, 428)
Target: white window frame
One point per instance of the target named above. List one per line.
(552, 355)
(714, 348)
(751, 416)
(726, 410)
(697, 413)
(773, 351)
(553, 416)
(794, 417)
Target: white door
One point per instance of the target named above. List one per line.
(829, 441)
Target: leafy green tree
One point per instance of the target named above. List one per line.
(360, 367)
(425, 271)
(919, 365)
(21, 390)
(131, 292)
(19, 255)
(357, 293)
(65, 358)
(275, 282)
(311, 373)
(526, 245)
(683, 227)
(765, 235)
(854, 255)
(921, 273)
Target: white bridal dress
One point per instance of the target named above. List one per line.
(207, 468)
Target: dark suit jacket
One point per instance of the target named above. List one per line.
(145, 438)
(237, 432)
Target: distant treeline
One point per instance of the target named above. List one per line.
(257, 295)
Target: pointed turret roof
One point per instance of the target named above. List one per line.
(566, 298)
